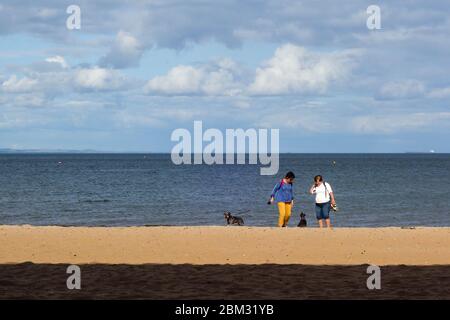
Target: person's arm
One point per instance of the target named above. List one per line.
(333, 201)
(292, 193)
(312, 190)
(275, 189)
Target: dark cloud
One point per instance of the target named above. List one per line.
(177, 23)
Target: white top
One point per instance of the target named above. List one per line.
(321, 195)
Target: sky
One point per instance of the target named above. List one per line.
(137, 70)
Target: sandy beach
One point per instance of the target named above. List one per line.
(223, 262)
(224, 245)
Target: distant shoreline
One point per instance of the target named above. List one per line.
(94, 152)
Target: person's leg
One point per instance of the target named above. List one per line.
(287, 213)
(319, 215)
(281, 213)
(326, 213)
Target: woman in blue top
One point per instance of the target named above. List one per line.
(282, 194)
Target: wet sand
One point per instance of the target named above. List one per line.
(267, 281)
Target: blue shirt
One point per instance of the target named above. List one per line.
(282, 192)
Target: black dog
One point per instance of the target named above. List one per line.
(302, 223)
(233, 220)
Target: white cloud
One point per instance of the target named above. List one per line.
(294, 69)
(17, 85)
(59, 60)
(218, 78)
(405, 89)
(125, 52)
(179, 80)
(51, 81)
(98, 79)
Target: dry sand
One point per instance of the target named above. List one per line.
(224, 245)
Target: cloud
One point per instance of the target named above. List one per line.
(21, 119)
(59, 60)
(440, 93)
(53, 77)
(125, 52)
(405, 89)
(294, 69)
(17, 85)
(46, 13)
(178, 24)
(29, 100)
(126, 119)
(388, 124)
(50, 75)
(296, 120)
(53, 64)
(97, 78)
(218, 78)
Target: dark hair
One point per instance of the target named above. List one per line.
(318, 178)
(289, 175)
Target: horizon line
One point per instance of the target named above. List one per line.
(89, 151)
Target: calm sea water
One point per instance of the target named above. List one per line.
(136, 189)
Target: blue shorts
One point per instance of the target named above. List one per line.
(323, 210)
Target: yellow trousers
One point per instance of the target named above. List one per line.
(284, 211)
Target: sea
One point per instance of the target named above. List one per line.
(371, 190)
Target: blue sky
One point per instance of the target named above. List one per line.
(136, 71)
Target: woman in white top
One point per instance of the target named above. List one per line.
(324, 200)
